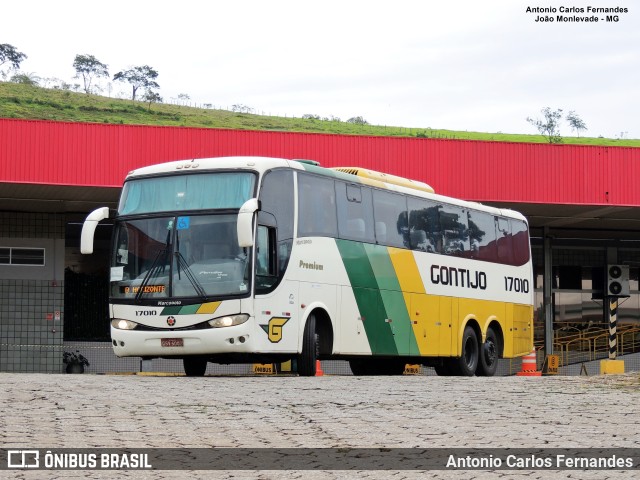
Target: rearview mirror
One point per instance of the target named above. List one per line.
(89, 228)
(245, 222)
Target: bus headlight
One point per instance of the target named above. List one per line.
(122, 324)
(228, 321)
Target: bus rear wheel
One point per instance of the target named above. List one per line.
(194, 366)
(489, 353)
(466, 365)
(309, 355)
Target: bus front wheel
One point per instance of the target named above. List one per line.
(194, 366)
(309, 355)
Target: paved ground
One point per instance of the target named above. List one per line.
(74, 411)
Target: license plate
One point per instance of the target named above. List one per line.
(172, 342)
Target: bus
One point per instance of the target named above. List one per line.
(265, 260)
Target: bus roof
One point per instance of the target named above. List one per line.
(350, 174)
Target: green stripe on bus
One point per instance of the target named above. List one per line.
(392, 299)
(174, 310)
(368, 298)
(181, 310)
(190, 309)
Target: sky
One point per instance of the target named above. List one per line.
(476, 65)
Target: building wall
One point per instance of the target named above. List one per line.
(60, 153)
(32, 307)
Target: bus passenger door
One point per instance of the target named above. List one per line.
(425, 316)
(276, 298)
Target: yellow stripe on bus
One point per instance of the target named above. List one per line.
(411, 283)
(210, 307)
(426, 310)
(406, 270)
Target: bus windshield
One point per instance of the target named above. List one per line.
(178, 256)
(193, 191)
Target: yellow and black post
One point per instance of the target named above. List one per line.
(613, 328)
(617, 286)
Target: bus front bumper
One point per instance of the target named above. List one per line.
(178, 343)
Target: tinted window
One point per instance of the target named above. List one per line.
(355, 212)
(482, 236)
(520, 242)
(503, 233)
(455, 235)
(317, 206)
(276, 200)
(276, 210)
(391, 223)
(424, 226)
(221, 190)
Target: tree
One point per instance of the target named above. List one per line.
(89, 67)
(9, 54)
(358, 121)
(576, 122)
(138, 77)
(151, 97)
(26, 79)
(240, 108)
(550, 126)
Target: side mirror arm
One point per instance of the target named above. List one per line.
(89, 229)
(245, 222)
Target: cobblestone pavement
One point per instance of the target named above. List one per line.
(76, 411)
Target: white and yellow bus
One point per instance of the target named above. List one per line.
(251, 259)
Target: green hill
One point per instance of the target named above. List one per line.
(29, 102)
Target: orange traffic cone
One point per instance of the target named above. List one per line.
(319, 372)
(529, 365)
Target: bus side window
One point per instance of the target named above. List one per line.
(355, 212)
(266, 267)
(277, 201)
(482, 236)
(520, 242)
(390, 209)
(455, 231)
(503, 233)
(317, 206)
(424, 226)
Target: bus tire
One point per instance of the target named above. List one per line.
(309, 355)
(467, 364)
(489, 354)
(194, 366)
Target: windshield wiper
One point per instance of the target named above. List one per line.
(181, 262)
(154, 268)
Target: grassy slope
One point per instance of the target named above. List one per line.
(26, 102)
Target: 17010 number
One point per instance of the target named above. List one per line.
(514, 284)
